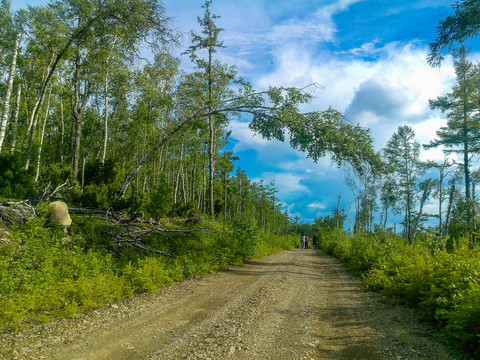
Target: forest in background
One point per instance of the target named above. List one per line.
(82, 114)
(138, 151)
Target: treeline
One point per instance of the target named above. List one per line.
(405, 184)
(139, 149)
(400, 183)
(80, 104)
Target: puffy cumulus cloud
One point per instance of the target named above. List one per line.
(399, 77)
(289, 185)
(375, 102)
(368, 49)
(426, 131)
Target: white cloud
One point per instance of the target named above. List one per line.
(317, 28)
(247, 139)
(317, 206)
(287, 183)
(401, 70)
(426, 131)
(295, 29)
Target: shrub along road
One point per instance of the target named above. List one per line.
(297, 304)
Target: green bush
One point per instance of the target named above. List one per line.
(463, 320)
(44, 277)
(47, 274)
(148, 275)
(15, 181)
(443, 286)
(96, 196)
(159, 202)
(244, 237)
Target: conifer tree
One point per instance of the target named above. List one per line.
(461, 135)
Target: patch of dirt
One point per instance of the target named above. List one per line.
(298, 304)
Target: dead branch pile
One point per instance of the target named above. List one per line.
(132, 229)
(12, 212)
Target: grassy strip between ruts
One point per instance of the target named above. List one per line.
(45, 274)
(443, 286)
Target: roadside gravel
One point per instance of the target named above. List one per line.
(297, 304)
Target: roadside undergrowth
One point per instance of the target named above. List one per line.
(46, 274)
(443, 286)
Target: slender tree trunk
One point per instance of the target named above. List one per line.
(425, 195)
(440, 201)
(225, 181)
(32, 124)
(42, 135)
(62, 129)
(105, 122)
(212, 137)
(385, 220)
(177, 180)
(78, 114)
(184, 189)
(205, 165)
(194, 174)
(338, 212)
(450, 203)
(273, 208)
(15, 119)
(8, 93)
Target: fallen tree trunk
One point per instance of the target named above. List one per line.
(133, 242)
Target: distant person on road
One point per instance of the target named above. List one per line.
(302, 241)
(306, 241)
(315, 241)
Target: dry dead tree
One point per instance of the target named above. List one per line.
(134, 227)
(12, 212)
(121, 239)
(59, 187)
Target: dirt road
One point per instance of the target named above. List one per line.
(298, 304)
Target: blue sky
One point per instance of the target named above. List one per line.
(368, 55)
(370, 58)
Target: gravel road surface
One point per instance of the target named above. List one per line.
(297, 304)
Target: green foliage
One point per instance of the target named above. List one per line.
(56, 174)
(442, 286)
(101, 184)
(455, 30)
(95, 196)
(159, 201)
(149, 274)
(463, 320)
(244, 233)
(15, 181)
(47, 274)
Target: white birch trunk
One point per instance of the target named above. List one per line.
(42, 135)
(15, 119)
(6, 102)
(105, 122)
